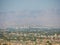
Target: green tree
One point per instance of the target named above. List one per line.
(48, 43)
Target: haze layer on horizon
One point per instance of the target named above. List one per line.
(24, 12)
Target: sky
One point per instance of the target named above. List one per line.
(23, 12)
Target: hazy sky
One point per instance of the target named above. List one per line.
(20, 12)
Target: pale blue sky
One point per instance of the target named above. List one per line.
(12, 5)
(19, 12)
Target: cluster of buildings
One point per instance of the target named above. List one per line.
(15, 38)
